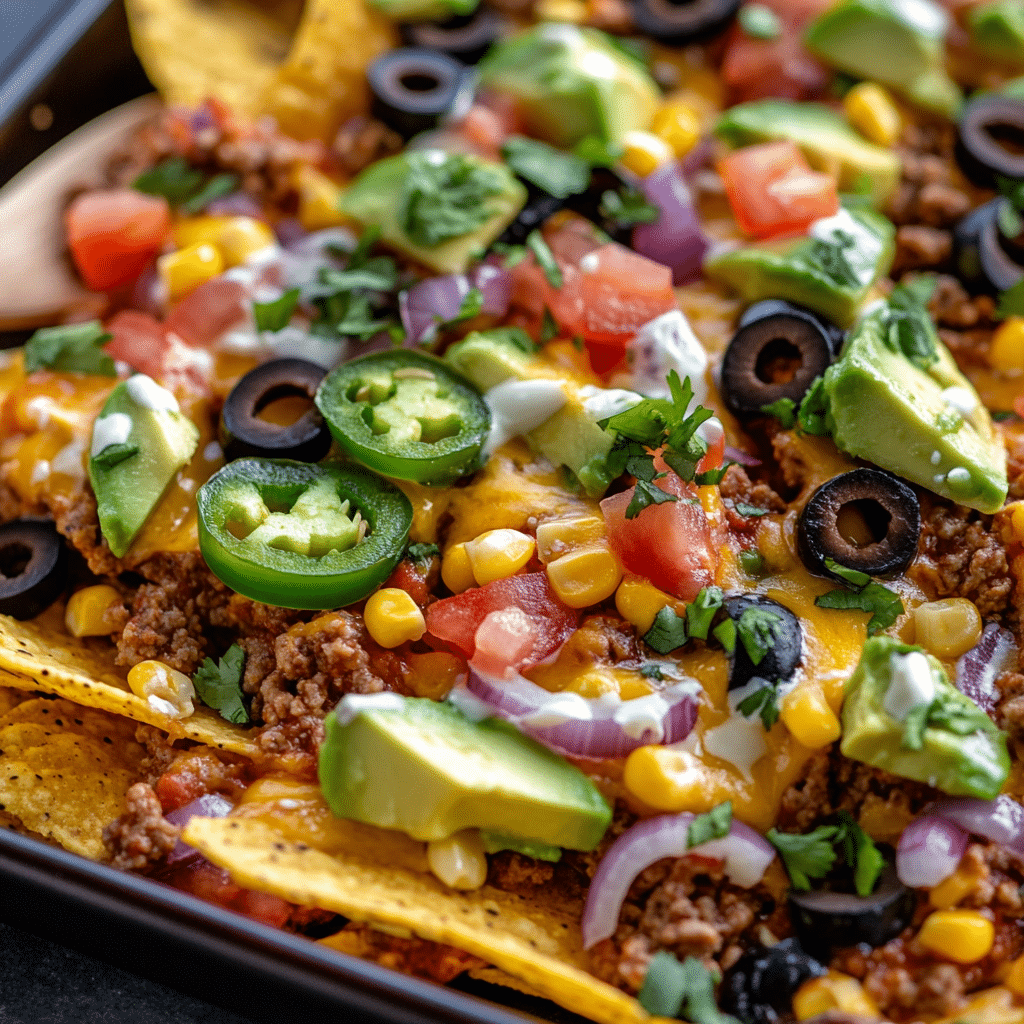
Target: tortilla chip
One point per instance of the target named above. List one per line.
(10, 698)
(64, 771)
(535, 941)
(36, 656)
(496, 976)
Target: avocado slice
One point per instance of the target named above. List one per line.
(424, 10)
(830, 270)
(997, 30)
(923, 422)
(899, 43)
(423, 767)
(825, 138)
(572, 83)
(139, 442)
(966, 758)
(567, 438)
(442, 209)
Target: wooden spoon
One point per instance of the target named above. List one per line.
(38, 284)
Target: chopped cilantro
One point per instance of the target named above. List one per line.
(758, 629)
(668, 632)
(830, 258)
(421, 554)
(752, 562)
(598, 152)
(217, 186)
(749, 510)
(445, 198)
(545, 258)
(628, 207)
(1002, 415)
(555, 172)
(514, 336)
(1011, 301)
(854, 577)
(944, 712)
(784, 410)
(884, 604)
(114, 455)
(671, 989)
(548, 327)
(712, 476)
(183, 186)
(918, 288)
(715, 824)
(73, 348)
(805, 856)
(814, 414)
(514, 254)
(763, 702)
(275, 315)
(725, 634)
(701, 611)
(861, 854)
(651, 670)
(1013, 190)
(759, 22)
(220, 685)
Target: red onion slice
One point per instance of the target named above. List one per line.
(236, 204)
(675, 239)
(495, 284)
(745, 852)
(929, 851)
(976, 670)
(1000, 820)
(430, 302)
(209, 805)
(602, 728)
(741, 457)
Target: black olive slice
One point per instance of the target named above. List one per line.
(244, 432)
(770, 307)
(539, 206)
(759, 987)
(784, 647)
(412, 87)
(677, 22)
(774, 356)
(33, 567)
(823, 918)
(865, 519)
(465, 37)
(991, 140)
(967, 244)
(999, 269)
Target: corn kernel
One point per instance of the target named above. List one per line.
(963, 936)
(1014, 977)
(950, 891)
(434, 673)
(1006, 352)
(392, 617)
(459, 861)
(677, 124)
(497, 554)
(318, 199)
(572, 11)
(834, 991)
(186, 269)
(639, 602)
(806, 714)
(236, 237)
(947, 628)
(166, 690)
(643, 153)
(197, 231)
(558, 537)
(870, 109)
(456, 571)
(585, 576)
(1016, 513)
(92, 611)
(670, 780)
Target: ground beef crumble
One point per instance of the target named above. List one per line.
(141, 836)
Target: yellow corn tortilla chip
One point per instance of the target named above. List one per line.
(496, 976)
(64, 771)
(537, 942)
(10, 698)
(35, 655)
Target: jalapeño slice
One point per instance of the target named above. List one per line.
(406, 415)
(298, 535)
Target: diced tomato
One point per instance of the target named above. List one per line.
(547, 621)
(208, 311)
(411, 577)
(114, 233)
(773, 191)
(139, 340)
(213, 884)
(669, 544)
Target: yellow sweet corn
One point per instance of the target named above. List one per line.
(806, 714)
(1014, 977)
(164, 689)
(585, 576)
(870, 109)
(677, 124)
(963, 936)
(639, 602)
(834, 991)
(1006, 352)
(947, 628)
(456, 571)
(1016, 513)
(89, 611)
(459, 861)
(392, 617)
(318, 199)
(643, 152)
(186, 269)
(558, 537)
(950, 891)
(571, 11)
(433, 673)
(497, 554)
(236, 237)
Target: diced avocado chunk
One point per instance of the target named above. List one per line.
(824, 137)
(830, 270)
(901, 714)
(997, 30)
(572, 83)
(442, 209)
(139, 442)
(568, 438)
(424, 10)
(424, 768)
(896, 42)
(918, 418)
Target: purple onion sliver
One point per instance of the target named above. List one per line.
(699, 157)
(209, 805)
(675, 239)
(430, 302)
(289, 232)
(741, 457)
(237, 204)
(929, 851)
(495, 284)
(976, 671)
(1000, 820)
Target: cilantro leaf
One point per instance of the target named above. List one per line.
(514, 254)
(884, 604)
(805, 856)
(674, 989)
(646, 493)
(545, 258)
(784, 410)
(651, 670)
(944, 712)
(861, 854)
(749, 510)
(548, 326)
(220, 685)
(854, 577)
(628, 207)
(715, 824)
(174, 179)
(114, 455)
(814, 414)
(752, 562)
(551, 170)
(917, 290)
(830, 258)
(74, 348)
(667, 633)
(471, 305)
(421, 554)
(914, 725)
(701, 611)
(711, 476)
(758, 629)
(445, 198)
(275, 315)
(763, 702)
(217, 186)
(598, 152)
(1011, 301)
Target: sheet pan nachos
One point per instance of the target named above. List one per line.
(537, 491)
